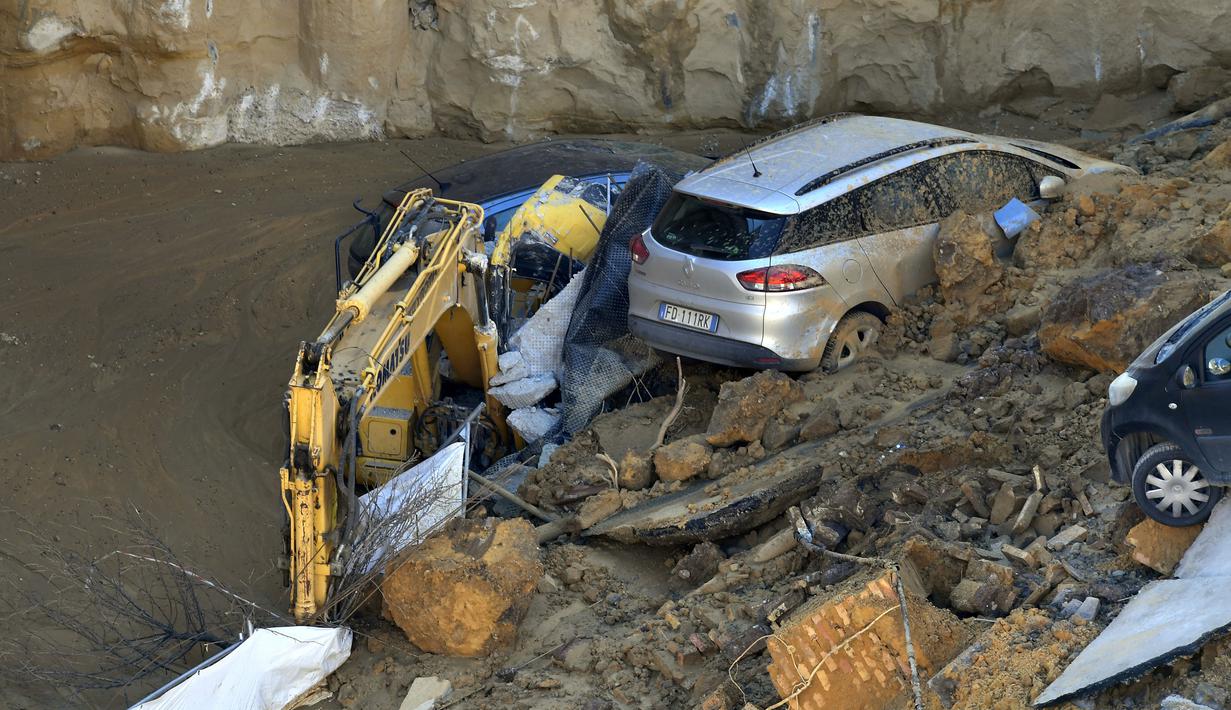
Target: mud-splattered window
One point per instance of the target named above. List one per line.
(904, 199)
(827, 223)
(982, 181)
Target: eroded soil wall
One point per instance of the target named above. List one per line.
(181, 74)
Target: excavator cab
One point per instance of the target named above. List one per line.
(547, 240)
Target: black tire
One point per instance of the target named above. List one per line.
(854, 335)
(1168, 487)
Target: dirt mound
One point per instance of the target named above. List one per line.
(1018, 657)
(967, 269)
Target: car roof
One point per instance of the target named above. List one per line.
(815, 161)
(527, 167)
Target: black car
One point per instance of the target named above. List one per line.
(502, 181)
(1167, 428)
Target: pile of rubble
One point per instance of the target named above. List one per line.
(768, 539)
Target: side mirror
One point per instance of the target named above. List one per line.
(1050, 187)
(489, 229)
(1187, 377)
(1219, 366)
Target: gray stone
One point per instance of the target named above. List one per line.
(426, 693)
(525, 392)
(1088, 609)
(1179, 702)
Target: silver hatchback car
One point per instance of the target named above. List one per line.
(789, 255)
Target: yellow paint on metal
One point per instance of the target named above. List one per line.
(399, 378)
(560, 219)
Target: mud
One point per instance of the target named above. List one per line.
(191, 308)
(150, 309)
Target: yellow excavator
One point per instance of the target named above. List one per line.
(364, 398)
(362, 388)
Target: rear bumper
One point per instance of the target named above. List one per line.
(713, 348)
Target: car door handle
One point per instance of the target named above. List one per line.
(1203, 431)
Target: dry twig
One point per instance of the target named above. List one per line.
(681, 388)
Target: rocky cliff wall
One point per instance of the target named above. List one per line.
(183, 74)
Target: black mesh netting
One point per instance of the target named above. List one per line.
(600, 355)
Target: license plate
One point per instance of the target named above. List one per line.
(688, 317)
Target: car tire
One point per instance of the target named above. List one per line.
(1168, 487)
(854, 335)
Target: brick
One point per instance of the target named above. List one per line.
(1038, 549)
(1026, 516)
(871, 670)
(1004, 503)
(974, 496)
(1020, 556)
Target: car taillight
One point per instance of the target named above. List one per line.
(636, 247)
(791, 277)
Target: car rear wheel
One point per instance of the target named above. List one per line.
(1171, 489)
(854, 335)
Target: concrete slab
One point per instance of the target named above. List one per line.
(1210, 553)
(1167, 619)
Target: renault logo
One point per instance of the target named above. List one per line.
(690, 265)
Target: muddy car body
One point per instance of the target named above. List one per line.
(786, 255)
(1167, 427)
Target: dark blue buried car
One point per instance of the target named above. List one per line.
(502, 181)
(1167, 428)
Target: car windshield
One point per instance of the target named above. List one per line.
(1170, 340)
(715, 230)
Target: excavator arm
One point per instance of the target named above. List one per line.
(359, 390)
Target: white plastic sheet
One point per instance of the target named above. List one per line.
(268, 671)
(435, 486)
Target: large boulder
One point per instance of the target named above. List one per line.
(745, 406)
(1104, 321)
(465, 590)
(967, 269)
(1199, 86)
(1213, 246)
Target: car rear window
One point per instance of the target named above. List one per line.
(714, 230)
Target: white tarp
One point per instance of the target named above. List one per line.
(268, 671)
(435, 488)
